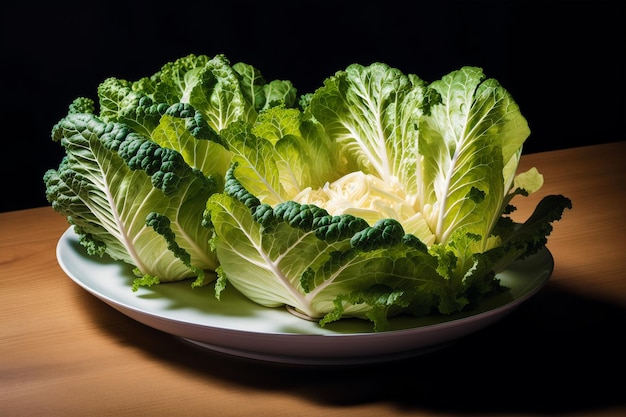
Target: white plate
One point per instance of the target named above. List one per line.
(237, 326)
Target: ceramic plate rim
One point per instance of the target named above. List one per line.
(306, 346)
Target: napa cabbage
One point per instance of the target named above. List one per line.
(377, 194)
(383, 194)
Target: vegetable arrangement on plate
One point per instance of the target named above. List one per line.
(378, 194)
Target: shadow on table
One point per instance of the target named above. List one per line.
(557, 353)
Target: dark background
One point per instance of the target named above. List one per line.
(561, 60)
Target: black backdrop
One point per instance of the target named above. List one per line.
(561, 60)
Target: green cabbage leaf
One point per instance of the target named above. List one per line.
(383, 195)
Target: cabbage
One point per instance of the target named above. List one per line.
(376, 195)
(384, 195)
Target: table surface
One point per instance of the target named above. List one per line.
(63, 352)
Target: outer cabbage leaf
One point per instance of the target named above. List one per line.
(132, 199)
(327, 267)
(466, 142)
(521, 240)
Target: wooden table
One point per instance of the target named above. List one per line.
(65, 353)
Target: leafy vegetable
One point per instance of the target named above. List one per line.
(378, 194)
(132, 199)
(136, 178)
